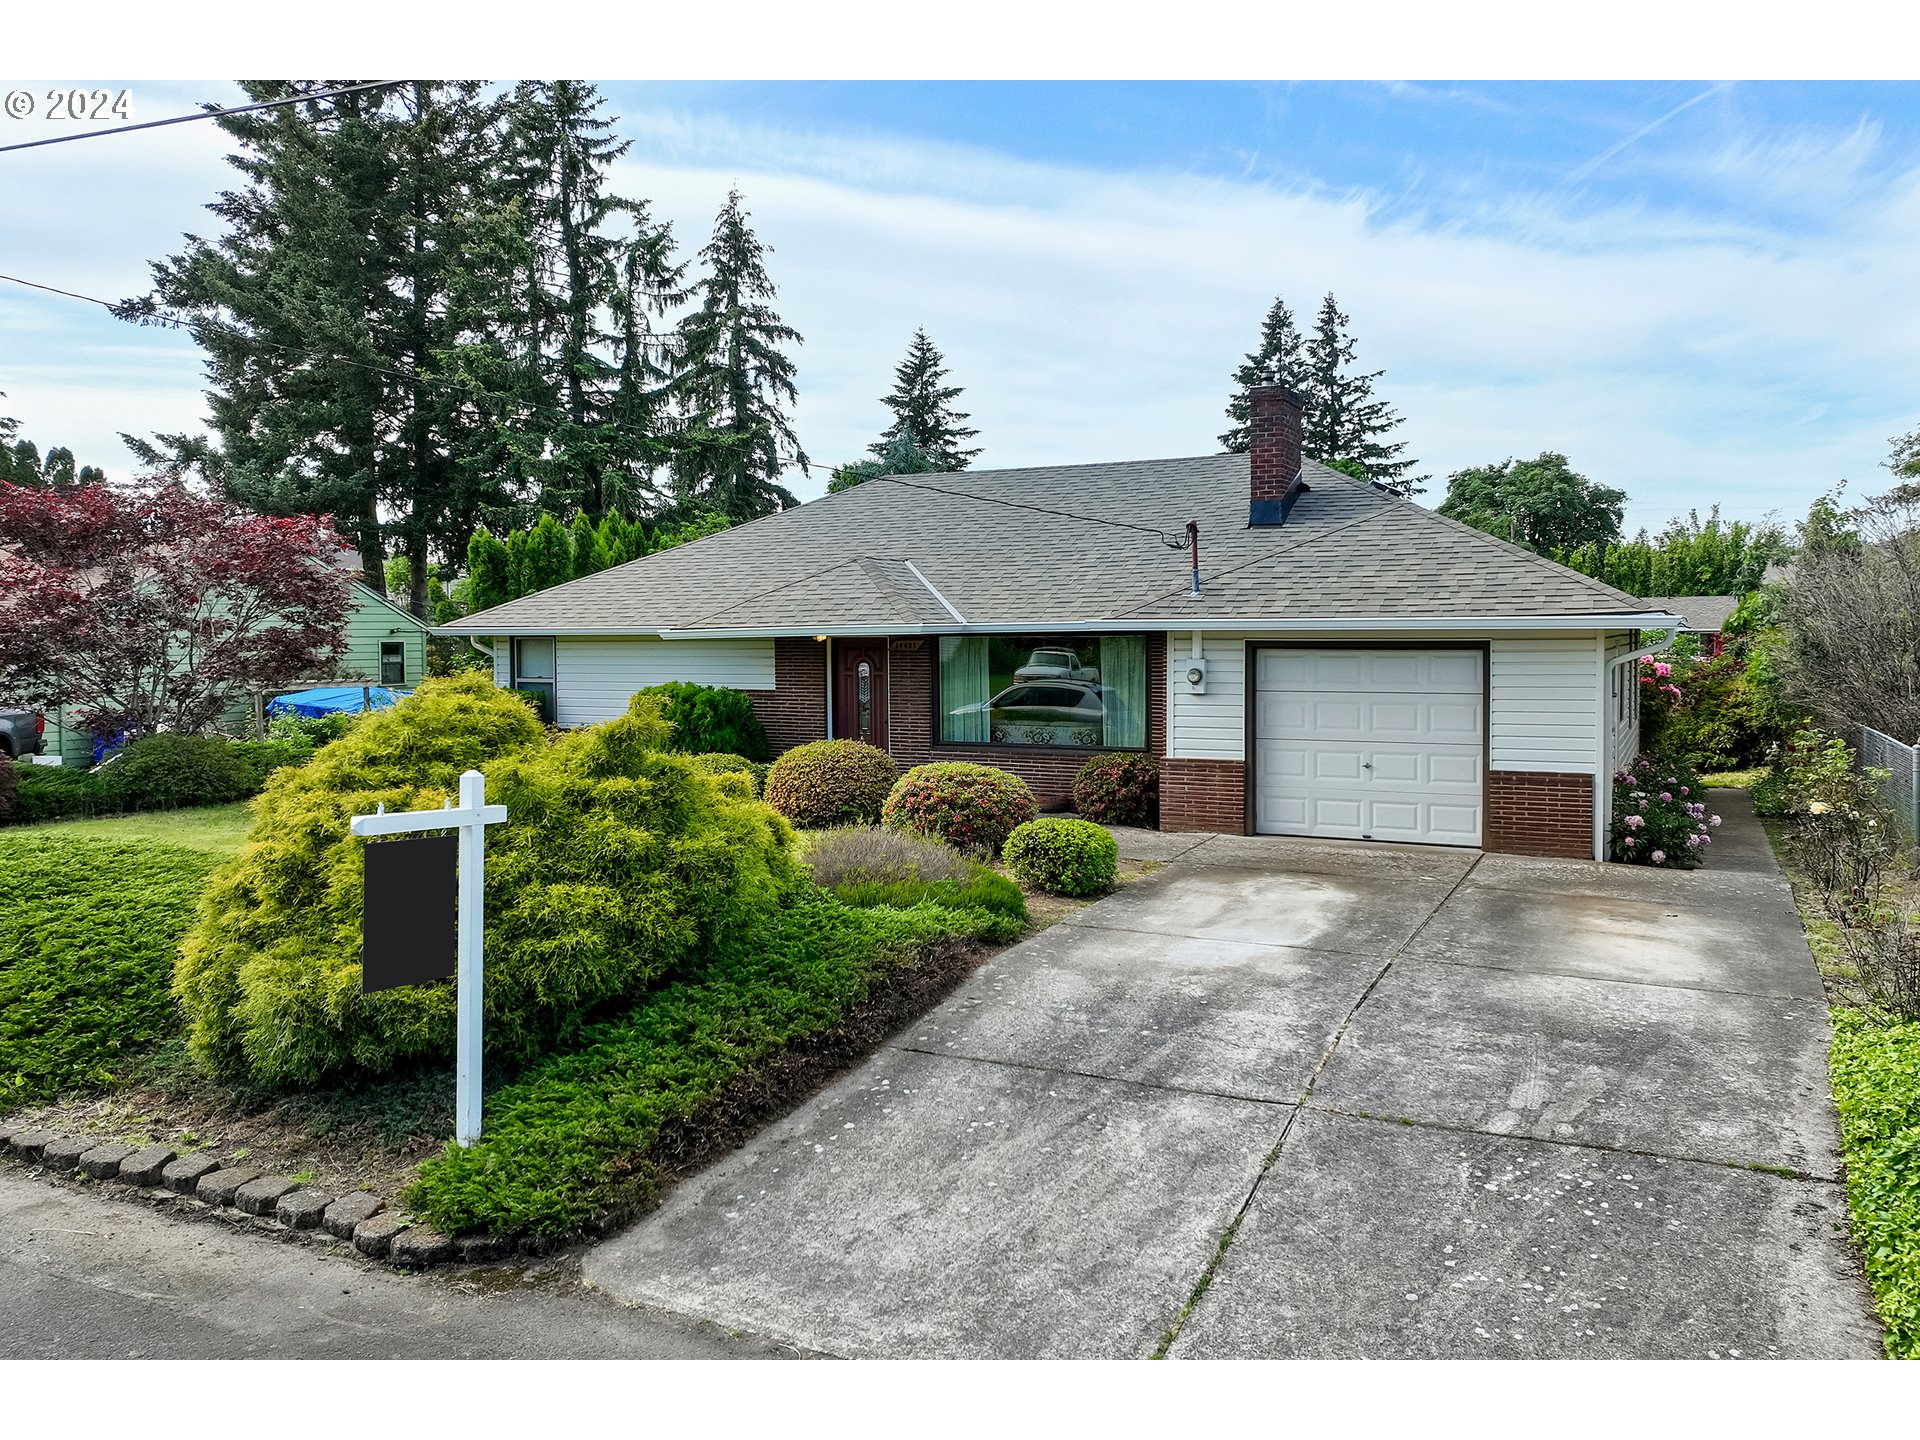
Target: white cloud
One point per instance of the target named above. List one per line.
(1687, 355)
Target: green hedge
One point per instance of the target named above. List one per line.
(87, 938)
(159, 772)
(566, 1144)
(1876, 1087)
(711, 719)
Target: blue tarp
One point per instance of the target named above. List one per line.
(335, 700)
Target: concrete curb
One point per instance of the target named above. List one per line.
(202, 1187)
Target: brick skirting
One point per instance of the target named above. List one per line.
(1540, 813)
(795, 710)
(1206, 795)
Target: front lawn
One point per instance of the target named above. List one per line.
(215, 829)
(87, 940)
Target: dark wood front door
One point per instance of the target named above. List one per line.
(860, 691)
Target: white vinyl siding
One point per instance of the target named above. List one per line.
(1212, 726)
(1546, 703)
(594, 679)
(502, 661)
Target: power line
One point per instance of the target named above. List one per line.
(1177, 544)
(211, 114)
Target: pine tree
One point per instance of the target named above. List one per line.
(1342, 420)
(1278, 355)
(924, 420)
(736, 382)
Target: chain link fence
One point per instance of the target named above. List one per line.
(1900, 791)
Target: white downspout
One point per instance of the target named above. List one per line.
(1603, 746)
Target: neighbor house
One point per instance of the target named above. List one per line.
(1703, 615)
(1349, 665)
(385, 645)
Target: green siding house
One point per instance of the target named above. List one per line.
(386, 645)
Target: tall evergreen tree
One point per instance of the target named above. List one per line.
(736, 381)
(923, 415)
(20, 463)
(489, 571)
(1343, 420)
(548, 558)
(1279, 355)
(586, 557)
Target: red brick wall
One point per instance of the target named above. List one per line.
(1203, 795)
(795, 710)
(1273, 458)
(1049, 771)
(1540, 813)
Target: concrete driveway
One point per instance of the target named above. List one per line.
(1291, 1099)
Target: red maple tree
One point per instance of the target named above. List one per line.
(152, 608)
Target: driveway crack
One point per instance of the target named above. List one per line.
(1172, 1332)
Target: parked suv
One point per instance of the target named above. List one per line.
(22, 732)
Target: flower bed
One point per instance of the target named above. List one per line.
(1660, 815)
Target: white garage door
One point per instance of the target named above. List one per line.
(1369, 744)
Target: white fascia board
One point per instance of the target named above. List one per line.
(1361, 625)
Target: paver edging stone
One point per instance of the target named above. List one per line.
(158, 1174)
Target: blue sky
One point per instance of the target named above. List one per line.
(1702, 293)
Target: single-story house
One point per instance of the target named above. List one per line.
(386, 645)
(1313, 657)
(1702, 615)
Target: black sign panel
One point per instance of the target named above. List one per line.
(411, 900)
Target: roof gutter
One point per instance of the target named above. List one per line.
(1360, 625)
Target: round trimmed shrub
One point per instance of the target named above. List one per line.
(971, 807)
(1119, 789)
(831, 782)
(1063, 856)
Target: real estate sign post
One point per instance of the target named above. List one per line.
(399, 921)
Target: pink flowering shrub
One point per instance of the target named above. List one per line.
(971, 807)
(1660, 815)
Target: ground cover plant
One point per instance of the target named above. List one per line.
(1660, 815)
(574, 1143)
(87, 938)
(867, 866)
(620, 865)
(1063, 856)
(971, 807)
(831, 782)
(1876, 1087)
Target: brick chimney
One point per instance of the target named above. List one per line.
(1274, 454)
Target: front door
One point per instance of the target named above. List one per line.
(860, 691)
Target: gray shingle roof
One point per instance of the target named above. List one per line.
(1708, 613)
(1347, 551)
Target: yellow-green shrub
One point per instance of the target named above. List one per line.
(619, 863)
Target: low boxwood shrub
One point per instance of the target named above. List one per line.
(1119, 789)
(62, 792)
(618, 868)
(87, 938)
(567, 1144)
(1063, 856)
(164, 772)
(1660, 815)
(831, 782)
(711, 719)
(1876, 1088)
(971, 807)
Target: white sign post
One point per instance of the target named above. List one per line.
(471, 818)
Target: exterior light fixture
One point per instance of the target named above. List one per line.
(821, 638)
